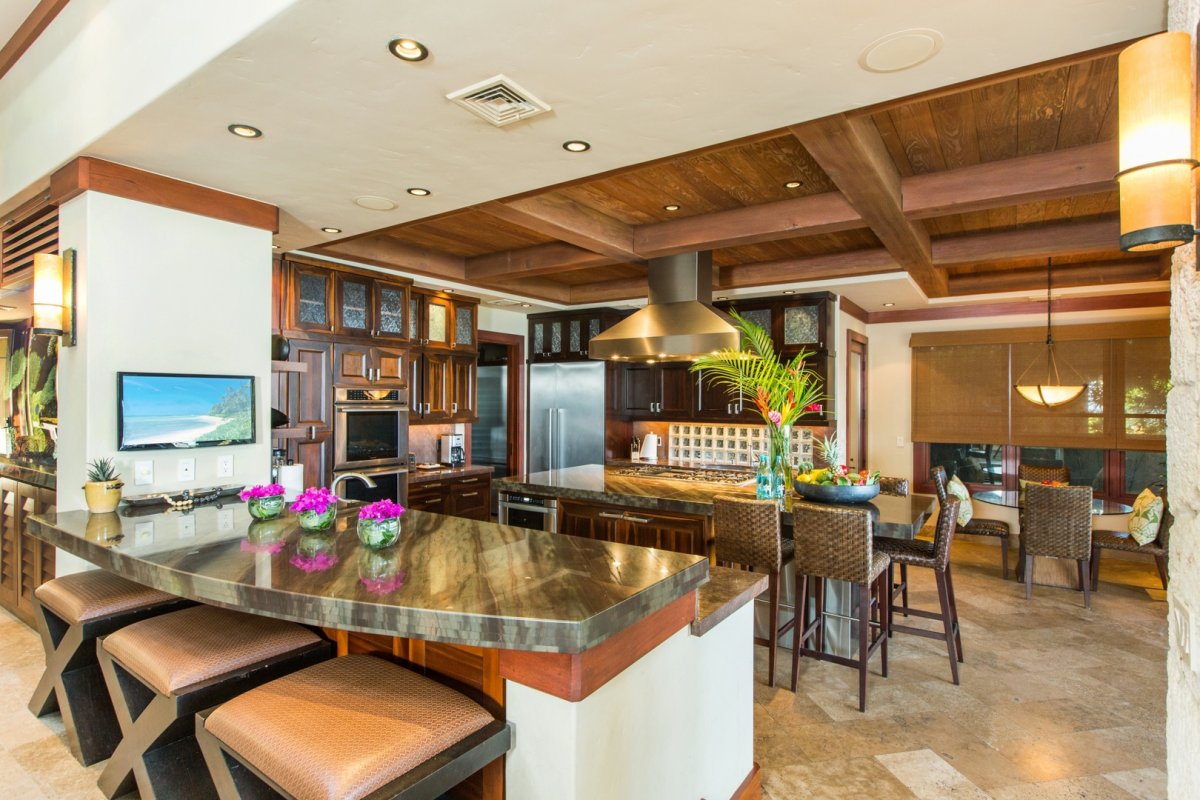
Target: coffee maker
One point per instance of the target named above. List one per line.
(450, 450)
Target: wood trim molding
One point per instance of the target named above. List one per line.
(1062, 306)
(86, 174)
(853, 309)
(751, 788)
(574, 676)
(384, 251)
(23, 38)
(1064, 333)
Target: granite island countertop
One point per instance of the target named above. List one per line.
(448, 579)
(898, 517)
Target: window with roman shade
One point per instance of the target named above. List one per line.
(962, 387)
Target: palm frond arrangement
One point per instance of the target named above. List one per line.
(781, 390)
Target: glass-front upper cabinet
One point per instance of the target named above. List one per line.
(311, 293)
(440, 322)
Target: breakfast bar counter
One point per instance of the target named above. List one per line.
(572, 638)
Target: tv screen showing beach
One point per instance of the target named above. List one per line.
(160, 411)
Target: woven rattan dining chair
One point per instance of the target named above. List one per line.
(897, 487)
(835, 543)
(977, 526)
(748, 533)
(936, 556)
(1121, 540)
(1058, 523)
(1039, 473)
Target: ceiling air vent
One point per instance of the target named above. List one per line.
(498, 100)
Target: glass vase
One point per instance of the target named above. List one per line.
(265, 507)
(781, 460)
(377, 533)
(313, 521)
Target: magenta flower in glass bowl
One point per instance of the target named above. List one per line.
(264, 501)
(262, 490)
(379, 523)
(317, 499)
(381, 509)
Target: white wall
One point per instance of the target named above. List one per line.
(98, 63)
(160, 291)
(499, 320)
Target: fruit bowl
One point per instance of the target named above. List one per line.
(832, 493)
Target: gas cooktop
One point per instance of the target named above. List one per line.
(727, 477)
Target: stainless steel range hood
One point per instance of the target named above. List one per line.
(678, 323)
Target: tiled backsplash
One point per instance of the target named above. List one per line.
(731, 444)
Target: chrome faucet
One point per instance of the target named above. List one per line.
(356, 475)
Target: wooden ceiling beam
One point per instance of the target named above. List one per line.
(804, 216)
(534, 288)
(1034, 279)
(563, 218)
(996, 184)
(609, 291)
(540, 259)
(27, 33)
(853, 154)
(809, 268)
(384, 251)
(1068, 238)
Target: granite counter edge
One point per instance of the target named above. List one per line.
(727, 590)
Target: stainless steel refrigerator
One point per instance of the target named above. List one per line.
(566, 415)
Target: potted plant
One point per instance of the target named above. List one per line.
(264, 501)
(782, 391)
(316, 507)
(103, 489)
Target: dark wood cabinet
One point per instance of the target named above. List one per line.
(438, 321)
(361, 364)
(309, 406)
(681, 533)
(466, 496)
(442, 387)
(655, 391)
(563, 336)
(463, 391)
(25, 562)
(310, 299)
(369, 307)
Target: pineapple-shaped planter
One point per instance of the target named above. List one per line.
(103, 489)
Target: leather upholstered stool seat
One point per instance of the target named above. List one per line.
(71, 612)
(354, 727)
(161, 671)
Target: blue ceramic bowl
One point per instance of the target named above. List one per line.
(829, 493)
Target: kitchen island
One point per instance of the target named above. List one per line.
(598, 653)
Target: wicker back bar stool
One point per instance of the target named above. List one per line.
(385, 732)
(71, 613)
(936, 556)
(748, 533)
(897, 487)
(1058, 523)
(835, 543)
(161, 671)
(995, 528)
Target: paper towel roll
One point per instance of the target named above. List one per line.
(291, 478)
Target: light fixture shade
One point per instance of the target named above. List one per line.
(1155, 101)
(1049, 395)
(47, 294)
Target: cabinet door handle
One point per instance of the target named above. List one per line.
(729, 408)
(427, 408)
(454, 408)
(610, 515)
(639, 520)
(312, 432)
(469, 494)
(465, 481)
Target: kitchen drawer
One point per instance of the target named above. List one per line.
(467, 496)
(429, 496)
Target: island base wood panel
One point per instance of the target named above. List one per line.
(679, 533)
(751, 788)
(25, 562)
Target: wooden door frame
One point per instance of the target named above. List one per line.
(516, 395)
(857, 342)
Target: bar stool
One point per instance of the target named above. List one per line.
(71, 612)
(747, 532)
(836, 543)
(161, 671)
(978, 526)
(936, 556)
(384, 732)
(897, 487)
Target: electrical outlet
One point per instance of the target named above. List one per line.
(187, 526)
(899, 441)
(187, 469)
(225, 466)
(143, 472)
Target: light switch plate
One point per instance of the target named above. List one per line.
(899, 441)
(1185, 625)
(225, 466)
(187, 469)
(143, 472)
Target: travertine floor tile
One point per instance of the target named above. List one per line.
(1144, 784)
(929, 777)
(1091, 788)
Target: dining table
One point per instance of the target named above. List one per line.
(1051, 571)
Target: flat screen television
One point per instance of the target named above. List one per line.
(158, 410)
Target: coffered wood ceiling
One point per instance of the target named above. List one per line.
(969, 189)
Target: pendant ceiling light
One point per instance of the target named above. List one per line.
(1050, 391)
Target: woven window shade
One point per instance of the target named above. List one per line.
(960, 394)
(1085, 421)
(1143, 372)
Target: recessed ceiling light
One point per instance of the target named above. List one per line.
(245, 131)
(332, 230)
(526, 305)
(888, 305)
(448, 291)
(901, 50)
(789, 291)
(671, 207)
(792, 185)
(374, 203)
(408, 49)
(417, 191)
(576, 146)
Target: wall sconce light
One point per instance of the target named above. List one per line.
(1154, 100)
(54, 295)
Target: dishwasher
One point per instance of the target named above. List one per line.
(526, 511)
